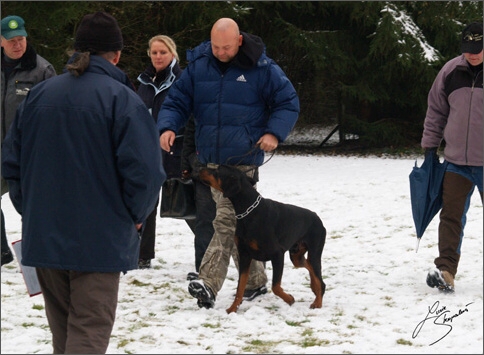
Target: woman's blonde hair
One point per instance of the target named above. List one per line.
(167, 41)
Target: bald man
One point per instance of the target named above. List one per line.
(243, 106)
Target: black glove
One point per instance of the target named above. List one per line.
(430, 151)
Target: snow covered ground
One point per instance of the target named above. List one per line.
(376, 301)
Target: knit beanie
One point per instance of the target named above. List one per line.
(98, 32)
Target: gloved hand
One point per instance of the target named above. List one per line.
(430, 151)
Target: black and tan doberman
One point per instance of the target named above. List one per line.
(266, 229)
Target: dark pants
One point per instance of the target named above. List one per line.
(201, 227)
(457, 191)
(80, 309)
(5, 246)
(203, 224)
(148, 237)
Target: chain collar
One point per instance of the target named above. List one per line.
(249, 210)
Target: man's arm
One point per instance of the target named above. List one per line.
(284, 104)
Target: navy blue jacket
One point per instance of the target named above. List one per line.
(232, 109)
(83, 164)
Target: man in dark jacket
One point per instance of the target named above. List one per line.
(22, 68)
(243, 105)
(84, 168)
(455, 114)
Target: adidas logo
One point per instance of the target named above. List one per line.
(241, 78)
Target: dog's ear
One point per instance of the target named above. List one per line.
(230, 179)
(231, 187)
(251, 180)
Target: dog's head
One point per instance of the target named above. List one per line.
(227, 179)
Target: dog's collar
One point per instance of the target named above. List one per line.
(250, 209)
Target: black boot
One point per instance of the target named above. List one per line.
(7, 257)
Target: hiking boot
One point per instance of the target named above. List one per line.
(144, 264)
(192, 276)
(206, 305)
(202, 293)
(249, 295)
(7, 257)
(443, 280)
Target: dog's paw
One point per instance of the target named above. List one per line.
(318, 303)
(289, 299)
(232, 309)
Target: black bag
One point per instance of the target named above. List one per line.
(178, 199)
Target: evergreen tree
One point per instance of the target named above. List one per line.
(370, 63)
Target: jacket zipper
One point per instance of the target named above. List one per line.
(219, 104)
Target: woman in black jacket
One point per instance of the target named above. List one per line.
(155, 82)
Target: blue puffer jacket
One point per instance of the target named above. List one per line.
(83, 164)
(232, 109)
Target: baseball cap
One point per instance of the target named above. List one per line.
(13, 26)
(472, 38)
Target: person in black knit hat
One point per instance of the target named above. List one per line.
(92, 143)
(98, 32)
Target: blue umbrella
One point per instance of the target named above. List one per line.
(426, 191)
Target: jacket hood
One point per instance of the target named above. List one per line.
(250, 51)
(160, 80)
(100, 65)
(203, 49)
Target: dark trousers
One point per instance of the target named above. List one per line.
(80, 309)
(5, 246)
(203, 224)
(457, 190)
(201, 227)
(148, 237)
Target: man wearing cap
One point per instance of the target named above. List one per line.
(84, 169)
(454, 115)
(22, 68)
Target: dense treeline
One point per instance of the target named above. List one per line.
(366, 65)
